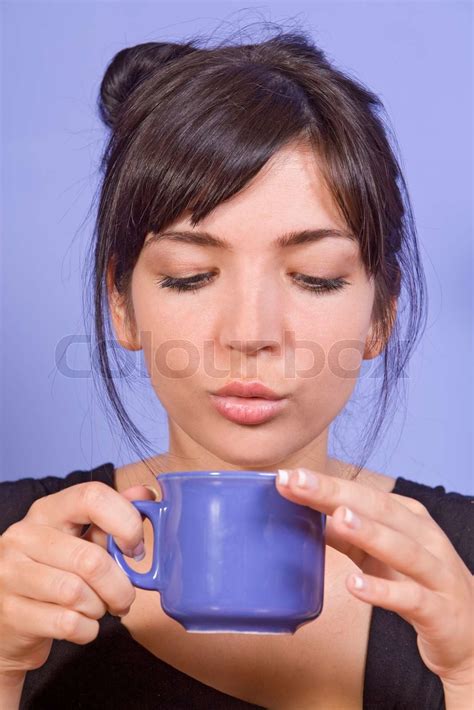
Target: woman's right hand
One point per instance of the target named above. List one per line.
(55, 584)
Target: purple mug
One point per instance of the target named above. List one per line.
(231, 554)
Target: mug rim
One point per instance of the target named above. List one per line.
(210, 474)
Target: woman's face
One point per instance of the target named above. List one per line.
(255, 320)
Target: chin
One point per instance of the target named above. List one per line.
(269, 460)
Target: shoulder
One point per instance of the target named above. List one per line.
(140, 473)
(367, 477)
(16, 497)
(453, 512)
(436, 499)
(378, 480)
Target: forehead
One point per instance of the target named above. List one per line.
(286, 205)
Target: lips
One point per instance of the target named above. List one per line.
(248, 410)
(248, 402)
(248, 389)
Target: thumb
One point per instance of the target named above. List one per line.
(99, 536)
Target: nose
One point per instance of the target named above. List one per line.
(251, 318)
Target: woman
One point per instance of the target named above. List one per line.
(253, 227)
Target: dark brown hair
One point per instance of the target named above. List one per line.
(191, 125)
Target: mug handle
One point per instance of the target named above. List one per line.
(154, 511)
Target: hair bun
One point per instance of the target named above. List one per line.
(128, 69)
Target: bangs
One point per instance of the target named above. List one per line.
(197, 148)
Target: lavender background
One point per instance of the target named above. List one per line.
(416, 55)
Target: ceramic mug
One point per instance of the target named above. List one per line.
(230, 554)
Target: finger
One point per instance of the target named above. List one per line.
(90, 562)
(49, 584)
(392, 547)
(99, 536)
(326, 493)
(92, 502)
(35, 619)
(407, 598)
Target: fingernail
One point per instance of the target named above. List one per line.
(302, 479)
(282, 477)
(358, 582)
(351, 519)
(139, 552)
(306, 480)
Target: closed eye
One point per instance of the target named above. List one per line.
(197, 281)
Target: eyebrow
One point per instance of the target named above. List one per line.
(290, 239)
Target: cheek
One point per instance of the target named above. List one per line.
(169, 345)
(327, 366)
(170, 359)
(331, 338)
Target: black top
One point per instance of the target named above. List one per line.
(115, 671)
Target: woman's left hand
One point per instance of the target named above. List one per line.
(409, 564)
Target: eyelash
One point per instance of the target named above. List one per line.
(313, 283)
